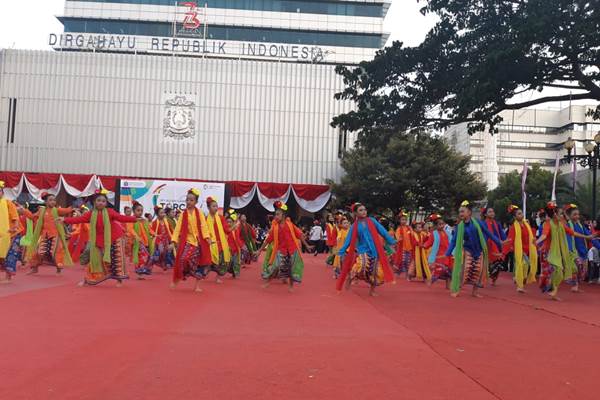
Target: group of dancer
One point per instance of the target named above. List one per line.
(361, 249)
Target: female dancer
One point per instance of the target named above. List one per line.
(192, 241)
(438, 243)
(404, 247)
(342, 234)
(248, 235)
(235, 245)
(420, 267)
(80, 235)
(331, 233)
(161, 232)
(521, 242)
(495, 259)
(142, 244)
(363, 254)
(104, 255)
(284, 260)
(219, 249)
(49, 242)
(578, 246)
(9, 247)
(470, 258)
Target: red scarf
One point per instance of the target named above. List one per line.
(350, 257)
(182, 239)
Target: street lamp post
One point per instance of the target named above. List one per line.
(590, 160)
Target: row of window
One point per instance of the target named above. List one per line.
(215, 32)
(295, 6)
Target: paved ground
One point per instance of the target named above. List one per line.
(238, 341)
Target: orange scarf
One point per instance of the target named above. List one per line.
(275, 234)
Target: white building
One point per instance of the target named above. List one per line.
(534, 135)
(239, 90)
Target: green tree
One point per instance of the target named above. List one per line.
(539, 191)
(472, 64)
(411, 171)
(583, 196)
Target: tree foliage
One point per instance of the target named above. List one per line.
(411, 171)
(478, 57)
(539, 191)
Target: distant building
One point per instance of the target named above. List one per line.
(530, 134)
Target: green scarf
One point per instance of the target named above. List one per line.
(559, 254)
(60, 228)
(458, 254)
(137, 227)
(27, 240)
(97, 262)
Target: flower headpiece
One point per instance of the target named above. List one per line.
(102, 192)
(44, 195)
(279, 205)
(434, 217)
(551, 205)
(465, 203)
(355, 206)
(570, 206)
(403, 213)
(512, 208)
(84, 208)
(194, 191)
(210, 200)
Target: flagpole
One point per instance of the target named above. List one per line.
(556, 167)
(523, 186)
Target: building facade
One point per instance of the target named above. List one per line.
(330, 31)
(534, 135)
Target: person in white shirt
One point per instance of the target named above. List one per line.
(593, 257)
(315, 236)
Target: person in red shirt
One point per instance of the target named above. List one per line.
(104, 257)
(161, 232)
(219, 248)
(438, 242)
(80, 235)
(235, 244)
(403, 260)
(284, 260)
(331, 241)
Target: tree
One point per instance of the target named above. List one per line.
(583, 196)
(539, 191)
(411, 171)
(479, 56)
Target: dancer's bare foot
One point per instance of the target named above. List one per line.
(81, 284)
(338, 292)
(291, 289)
(32, 271)
(576, 289)
(454, 294)
(5, 281)
(219, 281)
(477, 295)
(521, 290)
(173, 286)
(266, 285)
(59, 271)
(428, 282)
(555, 298)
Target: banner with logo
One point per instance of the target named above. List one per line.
(170, 194)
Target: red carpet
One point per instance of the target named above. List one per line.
(237, 341)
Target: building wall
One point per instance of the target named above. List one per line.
(103, 113)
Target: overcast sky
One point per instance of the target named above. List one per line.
(26, 24)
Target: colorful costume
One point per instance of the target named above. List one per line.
(404, 249)
(10, 249)
(104, 255)
(495, 259)
(248, 235)
(521, 242)
(366, 258)
(219, 249)
(80, 235)
(420, 265)
(193, 250)
(143, 247)
(579, 248)
(471, 255)
(49, 242)
(283, 258)
(235, 246)
(558, 261)
(342, 234)
(439, 264)
(331, 242)
(161, 236)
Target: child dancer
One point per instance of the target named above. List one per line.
(9, 228)
(521, 242)
(192, 241)
(438, 243)
(495, 257)
(248, 235)
(331, 233)
(470, 258)
(284, 260)
(363, 254)
(578, 247)
(219, 248)
(342, 233)
(235, 245)
(404, 246)
(420, 266)
(104, 256)
(49, 242)
(80, 235)
(143, 247)
(161, 232)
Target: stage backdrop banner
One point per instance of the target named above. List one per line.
(167, 193)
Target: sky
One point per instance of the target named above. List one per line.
(26, 24)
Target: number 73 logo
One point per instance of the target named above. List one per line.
(191, 20)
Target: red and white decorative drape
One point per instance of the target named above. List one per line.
(311, 198)
(36, 184)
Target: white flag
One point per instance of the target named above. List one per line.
(556, 167)
(523, 190)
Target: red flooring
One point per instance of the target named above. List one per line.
(237, 341)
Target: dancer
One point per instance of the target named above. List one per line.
(558, 261)
(284, 260)
(331, 238)
(470, 258)
(342, 234)
(143, 246)
(49, 242)
(235, 244)
(363, 254)
(404, 247)
(161, 232)
(80, 235)
(578, 247)
(521, 242)
(104, 255)
(438, 243)
(420, 266)
(495, 257)
(9, 244)
(219, 248)
(192, 241)
(248, 235)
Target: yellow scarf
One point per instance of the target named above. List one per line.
(213, 220)
(421, 263)
(4, 228)
(518, 246)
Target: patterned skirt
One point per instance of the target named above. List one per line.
(284, 266)
(49, 251)
(367, 269)
(473, 272)
(579, 272)
(440, 269)
(163, 256)
(403, 262)
(15, 251)
(190, 256)
(494, 269)
(143, 266)
(115, 269)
